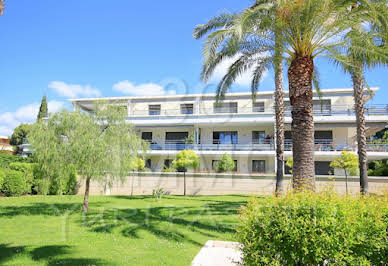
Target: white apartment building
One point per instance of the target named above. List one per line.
(242, 128)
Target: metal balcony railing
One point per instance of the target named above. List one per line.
(266, 145)
(324, 110)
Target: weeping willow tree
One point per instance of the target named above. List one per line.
(101, 147)
(304, 30)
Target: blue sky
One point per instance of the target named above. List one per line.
(87, 48)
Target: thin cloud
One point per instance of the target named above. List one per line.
(24, 114)
(144, 89)
(243, 80)
(73, 90)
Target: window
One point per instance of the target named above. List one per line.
(215, 161)
(167, 163)
(258, 137)
(225, 137)
(323, 168)
(146, 136)
(225, 108)
(187, 109)
(319, 106)
(258, 107)
(322, 107)
(327, 135)
(176, 137)
(148, 163)
(154, 109)
(258, 166)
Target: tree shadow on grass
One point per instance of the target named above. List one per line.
(168, 222)
(48, 209)
(47, 255)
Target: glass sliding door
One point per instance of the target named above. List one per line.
(225, 137)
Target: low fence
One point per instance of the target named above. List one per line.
(220, 184)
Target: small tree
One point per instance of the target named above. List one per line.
(347, 162)
(101, 147)
(186, 159)
(43, 110)
(225, 164)
(19, 134)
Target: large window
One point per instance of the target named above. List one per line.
(225, 108)
(323, 168)
(187, 108)
(258, 107)
(258, 166)
(320, 106)
(258, 137)
(146, 136)
(318, 135)
(154, 109)
(176, 137)
(225, 137)
(216, 161)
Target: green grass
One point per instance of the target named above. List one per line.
(117, 230)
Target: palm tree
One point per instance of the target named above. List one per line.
(371, 33)
(263, 9)
(2, 7)
(308, 28)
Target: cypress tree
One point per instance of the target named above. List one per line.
(43, 111)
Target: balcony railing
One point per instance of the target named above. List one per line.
(324, 110)
(320, 145)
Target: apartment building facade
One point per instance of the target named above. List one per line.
(242, 128)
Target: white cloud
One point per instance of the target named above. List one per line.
(145, 89)
(243, 80)
(73, 90)
(24, 114)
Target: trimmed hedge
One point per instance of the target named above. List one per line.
(14, 183)
(315, 229)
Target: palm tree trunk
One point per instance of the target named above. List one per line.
(358, 92)
(279, 128)
(86, 196)
(301, 98)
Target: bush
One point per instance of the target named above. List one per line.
(14, 183)
(28, 172)
(7, 159)
(320, 229)
(225, 164)
(2, 177)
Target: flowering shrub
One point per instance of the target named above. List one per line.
(315, 229)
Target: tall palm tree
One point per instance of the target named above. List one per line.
(308, 28)
(371, 33)
(236, 30)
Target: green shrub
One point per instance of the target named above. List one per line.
(14, 183)
(2, 177)
(320, 229)
(6, 159)
(225, 164)
(28, 172)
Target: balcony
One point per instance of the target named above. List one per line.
(324, 110)
(320, 145)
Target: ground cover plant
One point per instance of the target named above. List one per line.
(117, 230)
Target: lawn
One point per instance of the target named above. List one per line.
(117, 230)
